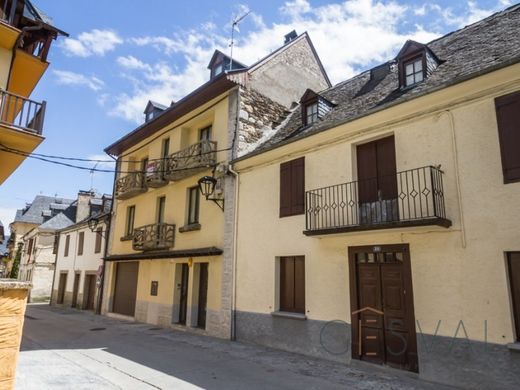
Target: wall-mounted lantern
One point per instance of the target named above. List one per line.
(207, 186)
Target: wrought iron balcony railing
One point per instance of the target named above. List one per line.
(187, 162)
(130, 185)
(154, 237)
(22, 113)
(410, 198)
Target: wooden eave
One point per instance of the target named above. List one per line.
(182, 253)
(195, 99)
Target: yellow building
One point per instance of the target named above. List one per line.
(26, 35)
(170, 256)
(380, 223)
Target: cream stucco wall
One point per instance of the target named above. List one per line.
(5, 64)
(458, 273)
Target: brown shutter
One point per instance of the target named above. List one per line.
(99, 233)
(81, 241)
(299, 284)
(67, 244)
(292, 187)
(367, 172)
(508, 121)
(298, 186)
(386, 168)
(287, 283)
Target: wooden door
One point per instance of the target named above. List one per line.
(383, 321)
(125, 290)
(514, 280)
(61, 288)
(377, 180)
(75, 289)
(89, 292)
(203, 295)
(183, 303)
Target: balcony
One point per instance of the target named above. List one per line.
(187, 162)
(155, 174)
(410, 198)
(21, 113)
(154, 237)
(130, 185)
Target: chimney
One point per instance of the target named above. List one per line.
(83, 207)
(291, 36)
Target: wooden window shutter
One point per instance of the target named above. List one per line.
(99, 233)
(67, 244)
(292, 187)
(292, 284)
(81, 242)
(299, 284)
(508, 121)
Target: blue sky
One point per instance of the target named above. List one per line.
(121, 53)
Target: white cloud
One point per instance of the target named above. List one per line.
(95, 42)
(7, 216)
(349, 35)
(66, 77)
(105, 162)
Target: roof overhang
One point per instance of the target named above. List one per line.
(195, 99)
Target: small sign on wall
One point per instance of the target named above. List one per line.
(154, 288)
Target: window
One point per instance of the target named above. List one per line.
(56, 243)
(67, 245)
(161, 204)
(81, 242)
(311, 113)
(205, 134)
(292, 187)
(130, 216)
(99, 237)
(165, 148)
(508, 121)
(218, 69)
(292, 284)
(413, 71)
(193, 205)
(144, 165)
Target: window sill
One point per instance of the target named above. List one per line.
(287, 314)
(126, 238)
(514, 347)
(189, 228)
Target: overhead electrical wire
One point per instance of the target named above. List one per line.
(37, 156)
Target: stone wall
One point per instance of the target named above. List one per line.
(257, 115)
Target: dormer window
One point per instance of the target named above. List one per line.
(416, 63)
(219, 68)
(311, 113)
(314, 107)
(414, 71)
(221, 62)
(152, 110)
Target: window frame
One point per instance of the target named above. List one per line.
(160, 209)
(312, 117)
(190, 218)
(99, 240)
(130, 221)
(67, 246)
(412, 58)
(504, 142)
(297, 290)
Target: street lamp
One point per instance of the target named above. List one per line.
(207, 188)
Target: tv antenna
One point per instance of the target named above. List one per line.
(234, 26)
(92, 176)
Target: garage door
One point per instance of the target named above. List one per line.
(125, 290)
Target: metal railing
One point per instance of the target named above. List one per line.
(130, 185)
(7, 10)
(20, 112)
(191, 160)
(153, 237)
(411, 195)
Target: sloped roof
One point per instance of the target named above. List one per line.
(482, 47)
(59, 221)
(34, 212)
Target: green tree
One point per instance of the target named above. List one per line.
(16, 262)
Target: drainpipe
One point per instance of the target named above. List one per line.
(55, 265)
(235, 245)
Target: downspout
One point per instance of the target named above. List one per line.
(107, 237)
(55, 265)
(235, 262)
(457, 176)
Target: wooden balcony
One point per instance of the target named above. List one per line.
(154, 237)
(155, 174)
(21, 113)
(417, 200)
(130, 185)
(190, 161)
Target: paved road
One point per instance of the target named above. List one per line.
(69, 349)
